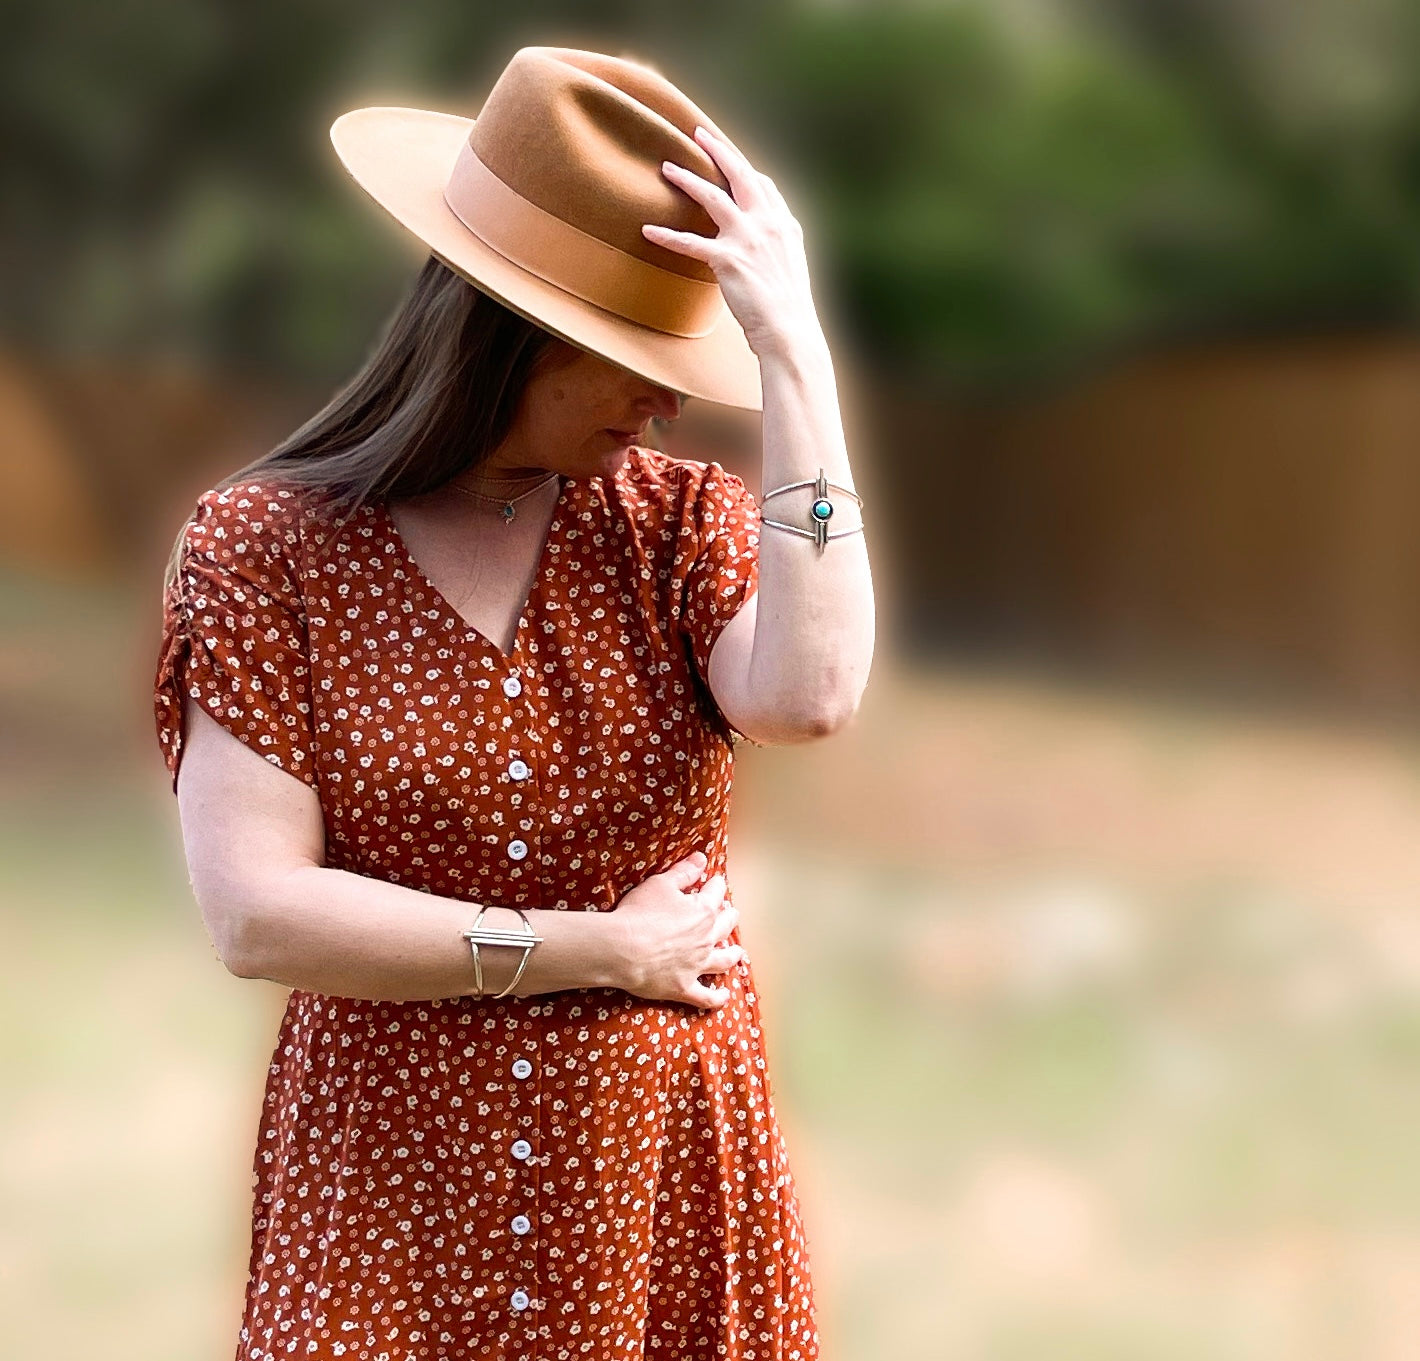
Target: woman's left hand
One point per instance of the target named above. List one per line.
(758, 256)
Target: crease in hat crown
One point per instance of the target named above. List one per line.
(540, 201)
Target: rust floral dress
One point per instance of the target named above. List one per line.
(578, 1174)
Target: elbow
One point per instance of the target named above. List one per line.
(801, 722)
(827, 719)
(234, 939)
(239, 923)
(238, 967)
(832, 707)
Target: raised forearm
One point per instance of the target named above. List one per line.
(347, 935)
(814, 627)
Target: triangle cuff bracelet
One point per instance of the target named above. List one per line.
(477, 935)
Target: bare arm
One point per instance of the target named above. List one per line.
(331, 931)
(793, 662)
(255, 842)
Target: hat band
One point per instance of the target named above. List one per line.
(568, 257)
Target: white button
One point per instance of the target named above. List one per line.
(521, 1223)
(521, 1148)
(521, 1067)
(520, 1299)
(517, 849)
(518, 769)
(512, 687)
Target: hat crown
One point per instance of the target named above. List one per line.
(540, 202)
(582, 135)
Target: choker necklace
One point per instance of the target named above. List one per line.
(508, 503)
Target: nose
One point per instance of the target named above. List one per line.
(666, 404)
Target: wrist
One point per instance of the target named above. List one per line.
(799, 348)
(613, 952)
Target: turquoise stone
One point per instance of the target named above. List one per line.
(822, 509)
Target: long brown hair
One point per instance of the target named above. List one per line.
(438, 396)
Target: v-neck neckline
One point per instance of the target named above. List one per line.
(450, 618)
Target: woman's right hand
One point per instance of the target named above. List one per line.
(670, 934)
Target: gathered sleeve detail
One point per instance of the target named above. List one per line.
(234, 630)
(716, 564)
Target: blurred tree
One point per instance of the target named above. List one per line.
(169, 183)
(1006, 195)
(995, 189)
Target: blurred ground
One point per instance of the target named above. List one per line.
(1093, 1017)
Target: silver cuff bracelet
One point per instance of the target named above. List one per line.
(477, 935)
(819, 512)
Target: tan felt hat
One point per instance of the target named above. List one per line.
(539, 201)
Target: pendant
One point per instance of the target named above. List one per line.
(509, 510)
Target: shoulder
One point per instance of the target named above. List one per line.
(255, 529)
(683, 488)
(251, 510)
(250, 519)
(652, 476)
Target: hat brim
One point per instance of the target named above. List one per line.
(402, 158)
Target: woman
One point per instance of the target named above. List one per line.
(505, 650)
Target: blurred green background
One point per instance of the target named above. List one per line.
(1090, 949)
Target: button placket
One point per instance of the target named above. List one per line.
(518, 848)
(522, 1158)
(524, 1097)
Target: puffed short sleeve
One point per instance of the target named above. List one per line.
(234, 633)
(717, 557)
